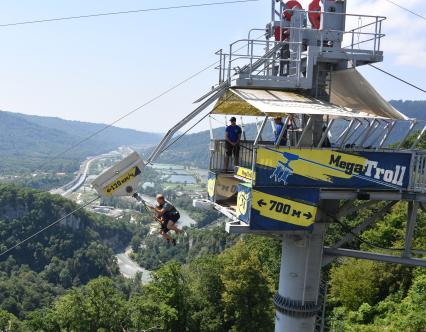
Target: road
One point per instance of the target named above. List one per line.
(129, 268)
(81, 177)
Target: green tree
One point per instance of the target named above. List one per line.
(8, 322)
(136, 242)
(206, 286)
(247, 295)
(354, 283)
(98, 306)
(169, 287)
(148, 313)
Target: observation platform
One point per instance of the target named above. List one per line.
(282, 188)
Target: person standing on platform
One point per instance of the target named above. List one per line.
(232, 142)
(279, 126)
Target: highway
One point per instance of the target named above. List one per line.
(81, 177)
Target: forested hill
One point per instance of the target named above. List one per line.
(411, 108)
(27, 141)
(69, 254)
(193, 149)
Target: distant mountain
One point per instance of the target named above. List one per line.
(111, 136)
(27, 142)
(411, 108)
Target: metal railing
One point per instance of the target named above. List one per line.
(245, 53)
(418, 173)
(218, 154)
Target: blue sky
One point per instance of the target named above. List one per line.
(98, 69)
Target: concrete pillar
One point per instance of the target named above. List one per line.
(300, 276)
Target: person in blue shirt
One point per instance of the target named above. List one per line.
(279, 126)
(232, 142)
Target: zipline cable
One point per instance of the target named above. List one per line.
(199, 121)
(406, 9)
(135, 11)
(150, 101)
(398, 78)
(48, 226)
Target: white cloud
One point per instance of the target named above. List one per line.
(405, 33)
(405, 40)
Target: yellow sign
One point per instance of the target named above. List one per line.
(283, 209)
(242, 203)
(245, 173)
(119, 182)
(211, 183)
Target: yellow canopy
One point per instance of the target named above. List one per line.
(255, 102)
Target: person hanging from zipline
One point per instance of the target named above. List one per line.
(168, 216)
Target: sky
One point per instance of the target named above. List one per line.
(98, 69)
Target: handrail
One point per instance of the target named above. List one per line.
(256, 50)
(334, 13)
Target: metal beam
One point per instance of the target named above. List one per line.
(211, 129)
(349, 207)
(373, 195)
(411, 224)
(325, 133)
(259, 133)
(339, 252)
(362, 131)
(410, 129)
(346, 135)
(343, 132)
(220, 90)
(243, 128)
(419, 136)
(283, 131)
(360, 228)
(368, 222)
(365, 135)
(391, 126)
(304, 132)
